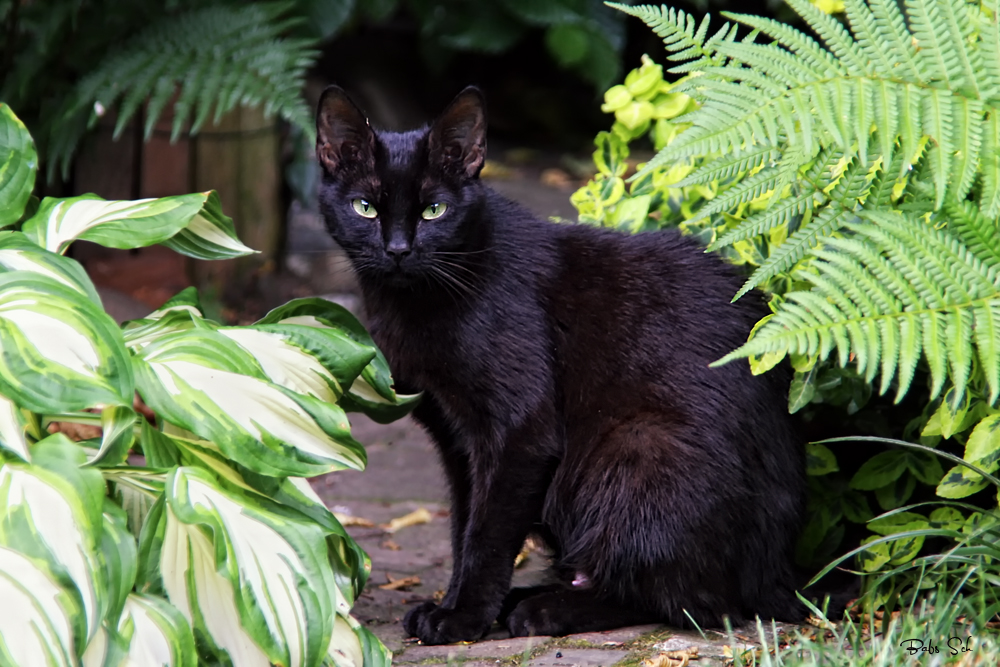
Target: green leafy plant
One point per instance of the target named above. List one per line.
(186, 534)
(67, 63)
(856, 179)
(581, 35)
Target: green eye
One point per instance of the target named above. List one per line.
(434, 211)
(363, 208)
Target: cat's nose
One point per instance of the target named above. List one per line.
(398, 249)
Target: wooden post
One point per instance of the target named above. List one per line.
(239, 157)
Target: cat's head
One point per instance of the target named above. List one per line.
(399, 202)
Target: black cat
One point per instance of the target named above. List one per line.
(566, 383)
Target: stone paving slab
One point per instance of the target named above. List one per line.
(578, 657)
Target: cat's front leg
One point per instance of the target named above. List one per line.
(507, 488)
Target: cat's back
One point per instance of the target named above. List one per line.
(658, 288)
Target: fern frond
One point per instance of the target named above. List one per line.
(833, 34)
(748, 189)
(989, 198)
(774, 216)
(795, 41)
(938, 124)
(927, 293)
(925, 22)
(931, 93)
(967, 117)
(676, 28)
(211, 59)
(869, 37)
(730, 166)
(897, 38)
(989, 33)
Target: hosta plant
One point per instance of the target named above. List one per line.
(855, 176)
(185, 532)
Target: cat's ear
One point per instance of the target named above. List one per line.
(457, 140)
(343, 136)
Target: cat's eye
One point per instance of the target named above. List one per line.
(434, 211)
(364, 208)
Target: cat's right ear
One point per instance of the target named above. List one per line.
(343, 136)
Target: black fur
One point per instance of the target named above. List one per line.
(566, 383)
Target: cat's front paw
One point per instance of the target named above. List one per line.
(432, 624)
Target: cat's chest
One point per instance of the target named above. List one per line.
(423, 355)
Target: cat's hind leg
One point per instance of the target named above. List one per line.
(567, 611)
(517, 595)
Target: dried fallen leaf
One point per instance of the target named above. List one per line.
(672, 658)
(556, 178)
(494, 169)
(414, 518)
(390, 545)
(348, 520)
(400, 584)
(438, 595)
(820, 623)
(620, 643)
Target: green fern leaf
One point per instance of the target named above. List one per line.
(987, 323)
(676, 28)
(897, 39)
(802, 45)
(968, 129)
(938, 124)
(869, 37)
(959, 322)
(211, 58)
(927, 24)
(730, 166)
(832, 32)
(746, 190)
(989, 32)
(928, 295)
(774, 216)
(990, 165)
(796, 246)
(976, 230)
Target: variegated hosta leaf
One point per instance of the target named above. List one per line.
(18, 165)
(372, 393)
(261, 587)
(352, 565)
(374, 653)
(181, 312)
(157, 634)
(136, 490)
(210, 235)
(13, 425)
(363, 397)
(106, 649)
(18, 253)
(134, 224)
(116, 224)
(117, 435)
(345, 646)
(37, 614)
(164, 450)
(307, 360)
(118, 557)
(51, 510)
(187, 299)
(60, 352)
(205, 383)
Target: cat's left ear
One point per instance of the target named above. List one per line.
(457, 140)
